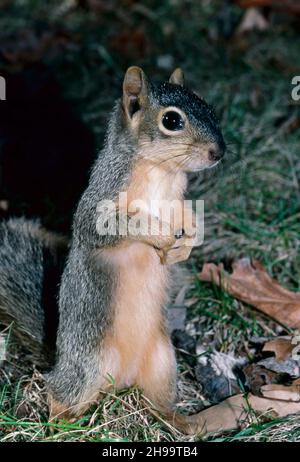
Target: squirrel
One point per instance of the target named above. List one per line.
(31, 264)
(114, 288)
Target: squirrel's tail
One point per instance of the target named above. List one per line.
(31, 263)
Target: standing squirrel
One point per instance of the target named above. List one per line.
(114, 288)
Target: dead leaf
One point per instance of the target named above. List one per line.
(281, 346)
(282, 392)
(257, 376)
(288, 366)
(251, 284)
(286, 360)
(238, 410)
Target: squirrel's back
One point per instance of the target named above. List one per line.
(31, 262)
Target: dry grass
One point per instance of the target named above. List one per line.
(121, 416)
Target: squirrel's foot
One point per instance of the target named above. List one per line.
(59, 410)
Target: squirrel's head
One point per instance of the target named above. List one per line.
(170, 123)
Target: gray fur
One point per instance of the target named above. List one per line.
(86, 290)
(22, 262)
(200, 114)
(21, 272)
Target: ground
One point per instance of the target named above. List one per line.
(252, 205)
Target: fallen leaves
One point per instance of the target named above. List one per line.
(273, 378)
(271, 394)
(239, 410)
(258, 376)
(281, 346)
(282, 392)
(251, 284)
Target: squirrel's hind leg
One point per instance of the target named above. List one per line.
(73, 388)
(60, 410)
(158, 378)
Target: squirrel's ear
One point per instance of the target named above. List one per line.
(135, 90)
(177, 77)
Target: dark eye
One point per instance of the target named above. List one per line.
(172, 120)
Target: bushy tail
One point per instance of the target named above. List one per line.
(31, 263)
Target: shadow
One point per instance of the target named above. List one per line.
(45, 150)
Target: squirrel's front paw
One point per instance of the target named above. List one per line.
(180, 250)
(162, 242)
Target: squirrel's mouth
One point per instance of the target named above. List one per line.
(200, 168)
(204, 156)
(214, 164)
(197, 164)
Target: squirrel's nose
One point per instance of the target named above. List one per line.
(216, 152)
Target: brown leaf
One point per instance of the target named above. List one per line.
(282, 392)
(281, 346)
(258, 376)
(250, 283)
(237, 410)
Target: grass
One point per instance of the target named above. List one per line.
(276, 431)
(224, 323)
(252, 205)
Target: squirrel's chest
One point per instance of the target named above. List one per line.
(137, 336)
(138, 321)
(153, 186)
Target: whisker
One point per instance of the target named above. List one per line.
(177, 169)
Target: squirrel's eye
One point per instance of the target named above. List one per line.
(172, 120)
